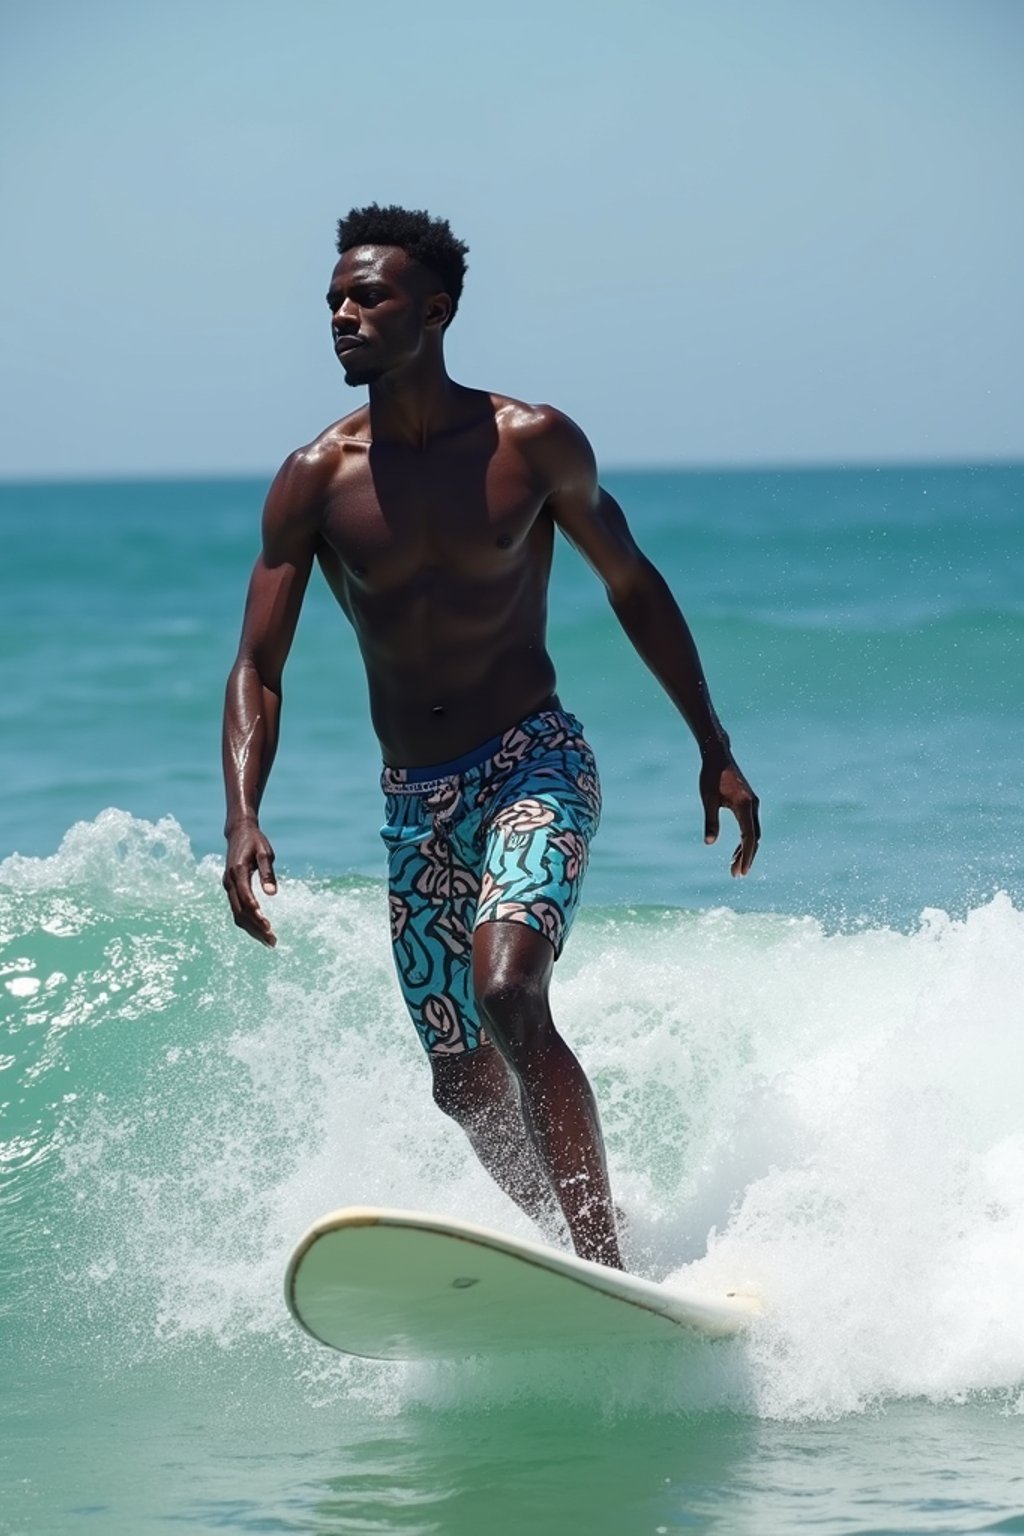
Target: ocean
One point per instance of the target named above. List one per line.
(811, 1081)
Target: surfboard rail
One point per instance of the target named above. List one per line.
(379, 1282)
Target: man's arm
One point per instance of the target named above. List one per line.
(643, 604)
(252, 704)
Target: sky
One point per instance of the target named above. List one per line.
(715, 232)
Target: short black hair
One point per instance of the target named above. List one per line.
(428, 241)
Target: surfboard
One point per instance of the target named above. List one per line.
(403, 1285)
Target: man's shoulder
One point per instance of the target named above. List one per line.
(326, 450)
(310, 470)
(531, 423)
(547, 437)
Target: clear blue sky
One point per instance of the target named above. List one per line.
(714, 231)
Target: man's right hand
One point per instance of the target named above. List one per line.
(249, 852)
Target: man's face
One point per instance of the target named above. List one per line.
(379, 306)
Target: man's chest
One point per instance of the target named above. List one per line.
(391, 513)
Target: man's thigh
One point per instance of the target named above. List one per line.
(433, 889)
(536, 853)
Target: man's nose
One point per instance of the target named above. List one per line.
(345, 314)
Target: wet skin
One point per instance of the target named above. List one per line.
(432, 512)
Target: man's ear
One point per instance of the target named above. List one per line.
(439, 311)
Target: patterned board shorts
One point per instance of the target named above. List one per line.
(499, 836)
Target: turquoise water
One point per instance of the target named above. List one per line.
(811, 1081)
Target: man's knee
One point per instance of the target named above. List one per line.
(516, 1010)
(511, 973)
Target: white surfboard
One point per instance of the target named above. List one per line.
(403, 1285)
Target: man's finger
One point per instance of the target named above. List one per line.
(245, 908)
(743, 858)
(241, 882)
(229, 887)
(256, 925)
(711, 823)
(750, 836)
(265, 865)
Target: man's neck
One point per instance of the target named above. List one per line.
(411, 406)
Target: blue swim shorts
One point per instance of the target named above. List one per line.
(501, 835)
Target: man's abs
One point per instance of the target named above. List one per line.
(421, 719)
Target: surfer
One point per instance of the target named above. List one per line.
(432, 511)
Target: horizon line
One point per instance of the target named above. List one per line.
(650, 467)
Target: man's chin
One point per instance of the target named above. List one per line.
(358, 377)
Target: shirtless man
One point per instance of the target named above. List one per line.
(432, 512)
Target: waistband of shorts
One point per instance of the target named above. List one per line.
(413, 781)
(457, 765)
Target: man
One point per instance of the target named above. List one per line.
(432, 512)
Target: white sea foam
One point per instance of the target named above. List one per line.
(830, 1118)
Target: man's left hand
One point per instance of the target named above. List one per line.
(723, 785)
